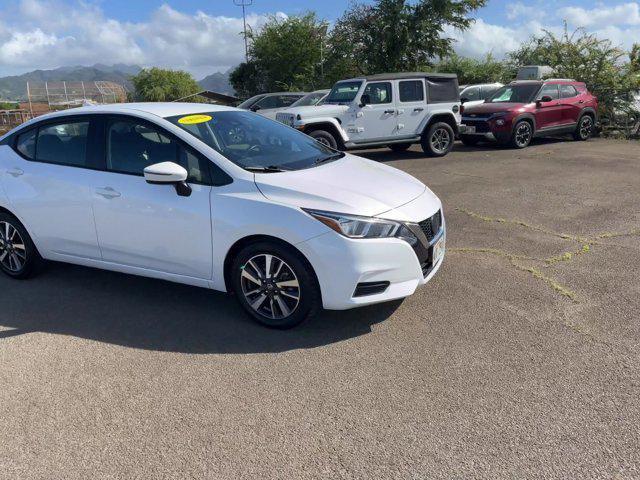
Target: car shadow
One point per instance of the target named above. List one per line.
(151, 314)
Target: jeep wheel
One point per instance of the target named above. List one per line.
(469, 140)
(522, 134)
(584, 129)
(438, 140)
(325, 138)
(399, 147)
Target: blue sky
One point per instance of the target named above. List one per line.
(203, 36)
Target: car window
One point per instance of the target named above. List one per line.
(515, 93)
(308, 100)
(411, 91)
(131, 146)
(63, 143)
(277, 101)
(343, 92)
(471, 93)
(26, 144)
(549, 90)
(488, 91)
(250, 101)
(568, 91)
(379, 92)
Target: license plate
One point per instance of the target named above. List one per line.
(438, 251)
(470, 129)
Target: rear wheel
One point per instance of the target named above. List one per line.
(584, 129)
(469, 140)
(274, 285)
(325, 138)
(522, 134)
(19, 258)
(399, 147)
(438, 141)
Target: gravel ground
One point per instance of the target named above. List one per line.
(519, 360)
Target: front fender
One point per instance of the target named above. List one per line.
(316, 121)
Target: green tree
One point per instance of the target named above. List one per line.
(396, 35)
(586, 58)
(284, 54)
(159, 85)
(471, 70)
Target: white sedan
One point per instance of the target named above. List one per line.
(219, 198)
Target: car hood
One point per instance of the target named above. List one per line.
(491, 108)
(350, 185)
(317, 111)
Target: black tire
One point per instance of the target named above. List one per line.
(521, 135)
(399, 147)
(267, 293)
(470, 140)
(324, 138)
(20, 258)
(584, 128)
(438, 141)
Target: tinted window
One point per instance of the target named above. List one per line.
(277, 101)
(487, 92)
(26, 143)
(568, 91)
(343, 92)
(250, 140)
(378, 92)
(250, 101)
(549, 90)
(443, 90)
(132, 146)
(411, 91)
(471, 93)
(63, 143)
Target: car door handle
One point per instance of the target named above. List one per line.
(389, 111)
(107, 192)
(418, 109)
(15, 172)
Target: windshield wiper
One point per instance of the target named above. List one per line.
(267, 169)
(333, 156)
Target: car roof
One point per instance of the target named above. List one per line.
(160, 109)
(404, 75)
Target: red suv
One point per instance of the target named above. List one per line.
(521, 110)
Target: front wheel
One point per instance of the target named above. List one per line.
(275, 285)
(325, 138)
(438, 141)
(584, 129)
(522, 134)
(19, 257)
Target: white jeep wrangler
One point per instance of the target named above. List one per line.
(394, 110)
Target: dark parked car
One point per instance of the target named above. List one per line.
(522, 110)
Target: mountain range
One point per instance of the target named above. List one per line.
(15, 87)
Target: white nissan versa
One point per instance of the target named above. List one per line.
(215, 197)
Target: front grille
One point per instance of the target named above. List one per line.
(431, 226)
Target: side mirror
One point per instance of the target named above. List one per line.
(168, 173)
(464, 99)
(365, 99)
(255, 108)
(544, 99)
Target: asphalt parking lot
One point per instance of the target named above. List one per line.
(519, 360)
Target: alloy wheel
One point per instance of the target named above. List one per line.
(440, 140)
(270, 286)
(13, 252)
(323, 141)
(585, 127)
(523, 134)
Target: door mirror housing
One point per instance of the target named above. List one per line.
(168, 173)
(463, 100)
(544, 99)
(365, 100)
(255, 108)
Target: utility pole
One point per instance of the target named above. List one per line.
(244, 4)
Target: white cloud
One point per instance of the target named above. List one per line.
(602, 16)
(518, 11)
(52, 33)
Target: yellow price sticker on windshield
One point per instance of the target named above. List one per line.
(193, 119)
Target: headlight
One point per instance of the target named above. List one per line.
(354, 226)
(500, 122)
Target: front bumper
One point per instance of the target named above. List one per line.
(341, 264)
(487, 128)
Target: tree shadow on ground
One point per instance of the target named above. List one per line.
(151, 314)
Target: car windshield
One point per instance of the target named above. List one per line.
(515, 93)
(309, 100)
(343, 92)
(246, 105)
(254, 142)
